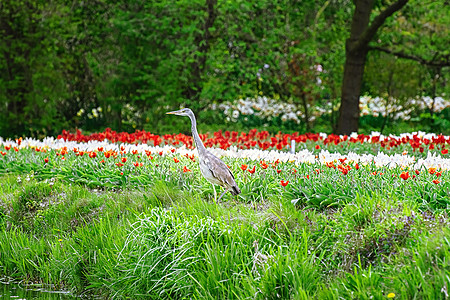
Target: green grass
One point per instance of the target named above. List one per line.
(167, 241)
(154, 231)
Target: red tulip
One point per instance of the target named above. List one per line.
(330, 165)
(404, 175)
(284, 183)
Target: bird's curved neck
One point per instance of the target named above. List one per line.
(197, 140)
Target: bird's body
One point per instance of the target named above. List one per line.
(211, 167)
(217, 172)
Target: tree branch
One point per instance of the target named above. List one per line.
(436, 61)
(379, 20)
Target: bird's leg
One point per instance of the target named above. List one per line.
(222, 195)
(215, 194)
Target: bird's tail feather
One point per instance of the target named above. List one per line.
(235, 190)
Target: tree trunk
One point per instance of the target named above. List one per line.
(193, 90)
(305, 107)
(355, 59)
(351, 90)
(356, 49)
(388, 100)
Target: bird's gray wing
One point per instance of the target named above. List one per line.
(220, 170)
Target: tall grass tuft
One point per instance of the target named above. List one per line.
(160, 254)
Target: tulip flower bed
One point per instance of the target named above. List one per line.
(125, 215)
(419, 142)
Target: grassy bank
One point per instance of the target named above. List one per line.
(164, 241)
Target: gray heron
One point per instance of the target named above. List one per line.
(211, 167)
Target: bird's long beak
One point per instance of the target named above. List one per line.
(175, 112)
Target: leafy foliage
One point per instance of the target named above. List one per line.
(122, 65)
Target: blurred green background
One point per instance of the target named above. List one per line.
(122, 64)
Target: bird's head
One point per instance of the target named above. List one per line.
(181, 112)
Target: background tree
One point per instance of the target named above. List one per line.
(414, 35)
(356, 49)
(121, 64)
